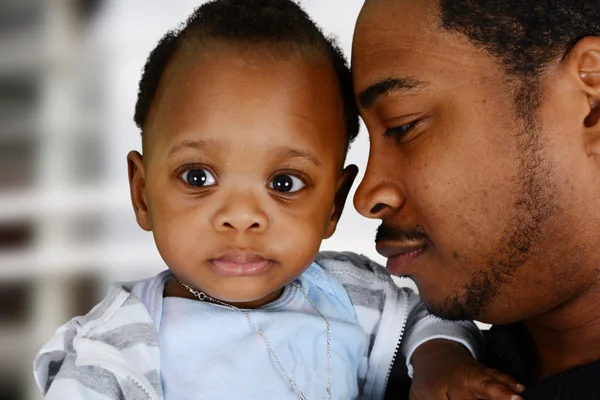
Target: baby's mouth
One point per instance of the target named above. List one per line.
(240, 263)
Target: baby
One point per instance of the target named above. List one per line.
(246, 114)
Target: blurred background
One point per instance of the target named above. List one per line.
(69, 71)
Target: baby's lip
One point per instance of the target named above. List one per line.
(240, 257)
(237, 263)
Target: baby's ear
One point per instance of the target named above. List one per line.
(137, 189)
(343, 188)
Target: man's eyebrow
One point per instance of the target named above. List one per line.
(192, 144)
(289, 152)
(368, 97)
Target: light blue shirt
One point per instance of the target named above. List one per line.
(212, 352)
(207, 354)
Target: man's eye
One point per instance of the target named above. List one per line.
(398, 132)
(198, 178)
(286, 183)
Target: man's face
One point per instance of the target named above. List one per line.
(472, 196)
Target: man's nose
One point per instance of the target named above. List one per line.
(380, 193)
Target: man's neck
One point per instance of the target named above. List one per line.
(567, 336)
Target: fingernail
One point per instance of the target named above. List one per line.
(520, 387)
(516, 397)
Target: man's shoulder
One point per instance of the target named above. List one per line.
(508, 349)
(579, 383)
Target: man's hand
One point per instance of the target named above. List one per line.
(446, 370)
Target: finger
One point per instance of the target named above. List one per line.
(414, 395)
(421, 392)
(491, 389)
(482, 387)
(506, 379)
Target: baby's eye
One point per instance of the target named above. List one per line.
(286, 183)
(198, 177)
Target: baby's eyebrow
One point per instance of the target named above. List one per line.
(192, 144)
(289, 152)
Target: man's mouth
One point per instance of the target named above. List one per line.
(237, 263)
(400, 256)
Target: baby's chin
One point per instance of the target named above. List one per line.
(247, 300)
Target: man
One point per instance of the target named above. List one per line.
(484, 124)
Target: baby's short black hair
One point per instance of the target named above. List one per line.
(281, 23)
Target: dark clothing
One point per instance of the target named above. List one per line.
(507, 348)
(398, 386)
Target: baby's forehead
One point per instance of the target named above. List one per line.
(273, 30)
(228, 90)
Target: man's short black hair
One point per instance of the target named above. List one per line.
(526, 35)
(280, 23)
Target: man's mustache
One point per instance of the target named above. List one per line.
(388, 233)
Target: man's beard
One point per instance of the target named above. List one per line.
(533, 207)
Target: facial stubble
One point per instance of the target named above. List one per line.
(533, 207)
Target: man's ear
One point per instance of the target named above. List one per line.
(586, 55)
(137, 189)
(343, 188)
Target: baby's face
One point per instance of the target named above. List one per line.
(243, 156)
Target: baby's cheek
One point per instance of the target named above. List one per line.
(310, 235)
(176, 240)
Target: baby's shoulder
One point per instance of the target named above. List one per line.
(365, 280)
(81, 349)
(347, 262)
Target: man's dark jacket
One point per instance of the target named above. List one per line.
(506, 349)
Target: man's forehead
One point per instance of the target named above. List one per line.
(394, 12)
(386, 26)
(403, 41)
(381, 42)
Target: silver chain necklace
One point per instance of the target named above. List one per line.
(204, 297)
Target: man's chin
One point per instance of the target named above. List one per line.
(473, 301)
(458, 305)
(452, 309)
(452, 305)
